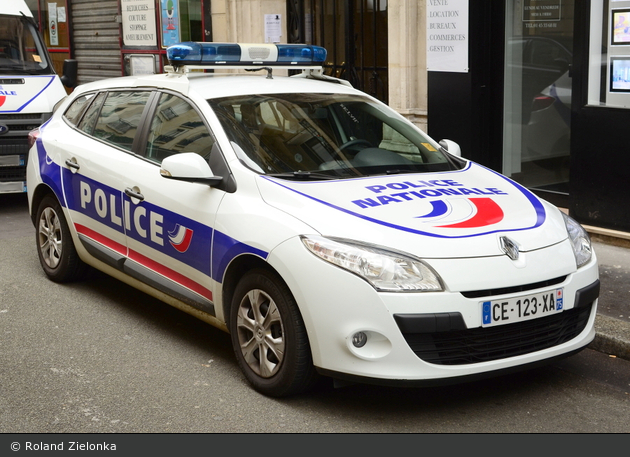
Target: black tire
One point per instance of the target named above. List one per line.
(269, 337)
(55, 247)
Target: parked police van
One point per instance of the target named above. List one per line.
(29, 89)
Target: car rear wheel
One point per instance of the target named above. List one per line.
(269, 337)
(55, 248)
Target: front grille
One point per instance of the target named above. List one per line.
(10, 174)
(13, 149)
(13, 117)
(513, 289)
(23, 128)
(22, 123)
(20, 117)
(459, 347)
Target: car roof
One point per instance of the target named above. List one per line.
(213, 85)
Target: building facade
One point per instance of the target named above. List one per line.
(375, 44)
(545, 100)
(535, 89)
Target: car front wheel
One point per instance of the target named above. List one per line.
(269, 337)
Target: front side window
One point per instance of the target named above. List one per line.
(177, 127)
(335, 136)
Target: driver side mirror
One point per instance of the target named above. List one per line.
(451, 147)
(70, 72)
(189, 166)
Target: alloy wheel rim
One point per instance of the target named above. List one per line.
(260, 333)
(49, 235)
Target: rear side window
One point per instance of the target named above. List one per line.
(76, 109)
(120, 116)
(86, 124)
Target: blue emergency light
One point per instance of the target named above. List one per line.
(200, 53)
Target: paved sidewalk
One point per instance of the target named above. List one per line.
(612, 323)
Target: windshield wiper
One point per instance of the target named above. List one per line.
(303, 175)
(20, 69)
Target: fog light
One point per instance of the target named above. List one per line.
(368, 344)
(359, 339)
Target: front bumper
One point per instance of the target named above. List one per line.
(433, 337)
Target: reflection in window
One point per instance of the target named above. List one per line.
(21, 51)
(89, 120)
(120, 116)
(537, 94)
(177, 127)
(344, 135)
(74, 111)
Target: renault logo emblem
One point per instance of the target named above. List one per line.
(509, 247)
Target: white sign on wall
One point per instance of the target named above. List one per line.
(447, 35)
(273, 28)
(142, 64)
(52, 24)
(138, 22)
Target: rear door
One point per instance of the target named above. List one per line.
(96, 157)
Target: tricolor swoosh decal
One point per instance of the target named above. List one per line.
(180, 238)
(439, 209)
(488, 213)
(471, 202)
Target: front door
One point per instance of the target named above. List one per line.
(537, 94)
(170, 227)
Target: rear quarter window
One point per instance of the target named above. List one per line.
(77, 108)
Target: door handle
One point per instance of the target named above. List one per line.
(133, 193)
(73, 165)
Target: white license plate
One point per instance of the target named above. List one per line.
(518, 309)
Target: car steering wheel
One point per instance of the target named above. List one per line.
(354, 142)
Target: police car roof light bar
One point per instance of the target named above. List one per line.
(192, 53)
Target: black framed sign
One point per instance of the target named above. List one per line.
(620, 30)
(619, 74)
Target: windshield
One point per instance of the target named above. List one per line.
(21, 50)
(325, 136)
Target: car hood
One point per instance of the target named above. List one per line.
(453, 214)
(36, 94)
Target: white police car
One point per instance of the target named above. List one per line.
(323, 231)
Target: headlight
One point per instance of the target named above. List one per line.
(580, 241)
(385, 270)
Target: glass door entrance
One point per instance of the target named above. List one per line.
(537, 93)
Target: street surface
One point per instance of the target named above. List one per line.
(100, 357)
